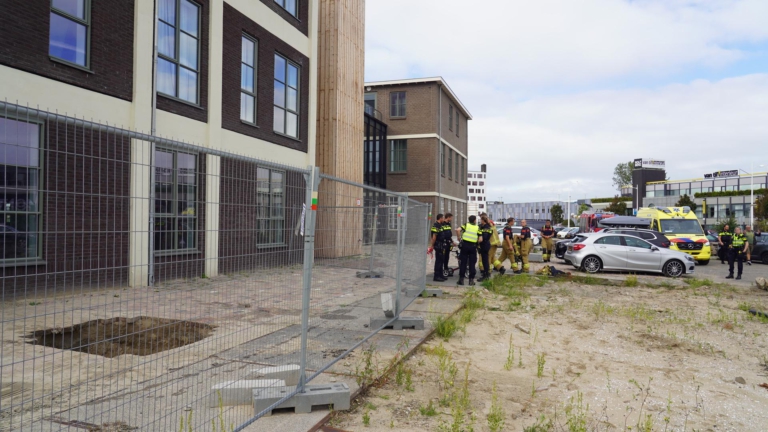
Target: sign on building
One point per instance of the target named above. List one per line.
(722, 174)
(649, 163)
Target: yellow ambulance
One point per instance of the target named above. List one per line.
(681, 226)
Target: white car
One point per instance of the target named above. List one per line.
(568, 232)
(619, 252)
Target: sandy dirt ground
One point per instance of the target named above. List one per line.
(582, 356)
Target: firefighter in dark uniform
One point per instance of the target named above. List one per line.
(486, 231)
(736, 252)
(469, 233)
(724, 238)
(436, 247)
(447, 241)
(547, 233)
(508, 246)
(526, 245)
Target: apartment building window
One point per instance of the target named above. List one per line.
(370, 103)
(70, 31)
(397, 104)
(178, 48)
(442, 159)
(398, 155)
(270, 210)
(450, 117)
(286, 97)
(458, 118)
(290, 6)
(463, 172)
(456, 162)
(249, 57)
(20, 181)
(175, 201)
(450, 164)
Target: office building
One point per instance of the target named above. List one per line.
(476, 191)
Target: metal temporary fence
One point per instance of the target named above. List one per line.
(144, 278)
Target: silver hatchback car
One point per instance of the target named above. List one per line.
(611, 251)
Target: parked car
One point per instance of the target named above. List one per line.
(651, 236)
(760, 250)
(621, 252)
(568, 233)
(535, 234)
(562, 245)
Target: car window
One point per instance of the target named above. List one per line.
(647, 236)
(609, 240)
(578, 239)
(636, 242)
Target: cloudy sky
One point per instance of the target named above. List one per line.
(563, 90)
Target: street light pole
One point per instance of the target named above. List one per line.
(752, 199)
(569, 211)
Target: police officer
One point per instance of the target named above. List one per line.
(526, 244)
(508, 246)
(547, 244)
(724, 238)
(447, 240)
(469, 233)
(436, 246)
(736, 251)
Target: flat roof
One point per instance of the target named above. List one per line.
(707, 179)
(423, 81)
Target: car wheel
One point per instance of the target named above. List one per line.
(702, 262)
(592, 264)
(674, 269)
(764, 257)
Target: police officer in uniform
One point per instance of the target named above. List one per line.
(508, 246)
(469, 233)
(436, 246)
(526, 244)
(724, 238)
(547, 244)
(486, 230)
(495, 242)
(447, 240)
(736, 251)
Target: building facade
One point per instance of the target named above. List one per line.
(238, 76)
(427, 141)
(476, 195)
(534, 211)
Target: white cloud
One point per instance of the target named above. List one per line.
(549, 84)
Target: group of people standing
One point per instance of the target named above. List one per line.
(482, 239)
(736, 248)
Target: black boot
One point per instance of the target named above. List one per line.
(461, 281)
(502, 270)
(738, 277)
(481, 278)
(730, 276)
(471, 282)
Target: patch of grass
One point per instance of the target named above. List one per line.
(366, 419)
(472, 300)
(510, 355)
(576, 414)
(542, 425)
(445, 326)
(698, 283)
(541, 360)
(601, 309)
(367, 369)
(429, 410)
(630, 281)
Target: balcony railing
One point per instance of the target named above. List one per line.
(371, 111)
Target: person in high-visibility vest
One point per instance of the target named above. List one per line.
(469, 233)
(508, 249)
(526, 245)
(736, 252)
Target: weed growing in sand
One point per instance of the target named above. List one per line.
(542, 425)
(576, 414)
(520, 358)
(400, 374)
(366, 418)
(496, 415)
(367, 369)
(409, 380)
(510, 355)
(446, 368)
(540, 361)
(445, 326)
(601, 309)
(630, 281)
(429, 410)
(698, 283)
(461, 418)
(472, 299)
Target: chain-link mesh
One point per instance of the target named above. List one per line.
(143, 279)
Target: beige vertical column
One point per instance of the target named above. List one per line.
(141, 120)
(340, 124)
(214, 139)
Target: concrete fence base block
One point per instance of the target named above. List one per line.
(416, 323)
(388, 304)
(287, 373)
(239, 392)
(412, 292)
(320, 395)
(369, 275)
(432, 292)
(535, 257)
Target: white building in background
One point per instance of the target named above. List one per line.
(476, 192)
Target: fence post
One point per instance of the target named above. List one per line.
(401, 215)
(313, 182)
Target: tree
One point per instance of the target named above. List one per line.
(685, 200)
(617, 206)
(721, 223)
(622, 175)
(761, 208)
(557, 213)
(582, 209)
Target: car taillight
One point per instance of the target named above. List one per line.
(579, 246)
(665, 244)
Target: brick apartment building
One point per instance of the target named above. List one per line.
(427, 141)
(240, 76)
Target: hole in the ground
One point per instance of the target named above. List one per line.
(116, 336)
